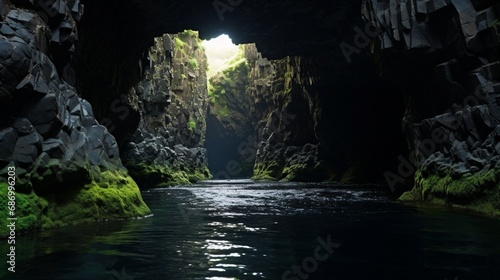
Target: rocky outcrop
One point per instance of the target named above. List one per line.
(445, 56)
(290, 125)
(260, 116)
(167, 148)
(231, 126)
(287, 148)
(67, 165)
(355, 104)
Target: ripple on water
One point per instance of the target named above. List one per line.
(260, 231)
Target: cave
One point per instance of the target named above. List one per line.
(333, 126)
(238, 112)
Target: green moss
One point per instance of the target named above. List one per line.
(263, 176)
(193, 63)
(29, 209)
(268, 172)
(199, 175)
(234, 79)
(154, 175)
(474, 185)
(187, 33)
(179, 44)
(295, 172)
(111, 195)
(183, 41)
(432, 185)
(410, 196)
(223, 112)
(191, 125)
(479, 192)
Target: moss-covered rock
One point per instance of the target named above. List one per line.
(271, 171)
(167, 148)
(110, 195)
(157, 176)
(479, 192)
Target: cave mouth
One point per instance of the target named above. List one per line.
(229, 152)
(219, 50)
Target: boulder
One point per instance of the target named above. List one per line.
(8, 140)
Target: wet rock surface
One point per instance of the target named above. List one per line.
(167, 148)
(280, 117)
(452, 90)
(72, 99)
(48, 133)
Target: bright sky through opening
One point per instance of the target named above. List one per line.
(219, 51)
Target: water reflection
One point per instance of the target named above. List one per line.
(261, 231)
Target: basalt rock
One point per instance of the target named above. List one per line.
(450, 77)
(166, 149)
(231, 124)
(271, 112)
(287, 148)
(65, 162)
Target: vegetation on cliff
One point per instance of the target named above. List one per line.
(167, 148)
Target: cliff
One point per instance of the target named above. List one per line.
(231, 131)
(84, 95)
(278, 120)
(450, 79)
(67, 166)
(167, 148)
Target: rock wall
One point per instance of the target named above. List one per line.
(67, 165)
(167, 148)
(278, 115)
(445, 57)
(287, 147)
(231, 125)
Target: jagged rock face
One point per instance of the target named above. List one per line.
(287, 145)
(284, 119)
(47, 132)
(44, 121)
(108, 64)
(167, 148)
(189, 100)
(450, 77)
(231, 126)
(110, 55)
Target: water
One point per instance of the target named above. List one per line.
(220, 232)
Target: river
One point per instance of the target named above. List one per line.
(269, 231)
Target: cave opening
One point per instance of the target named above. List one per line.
(272, 119)
(227, 112)
(111, 112)
(230, 129)
(308, 113)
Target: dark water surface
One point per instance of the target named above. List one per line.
(260, 231)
